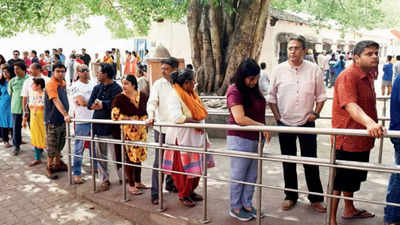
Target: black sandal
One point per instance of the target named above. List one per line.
(188, 202)
(196, 197)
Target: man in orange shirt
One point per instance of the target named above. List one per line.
(55, 116)
(354, 107)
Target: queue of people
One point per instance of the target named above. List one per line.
(295, 94)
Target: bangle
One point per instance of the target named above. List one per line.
(316, 114)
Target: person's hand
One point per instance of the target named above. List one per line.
(24, 123)
(375, 130)
(67, 119)
(267, 136)
(312, 118)
(277, 117)
(149, 122)
(97, 105)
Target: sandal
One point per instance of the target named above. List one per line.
(186, 201)
(35, 162)
(154, 199)
(141, 186)
(196, 197)
(361, 214)
(134, 191)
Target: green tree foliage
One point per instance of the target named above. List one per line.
(127, 18)
(348, 14)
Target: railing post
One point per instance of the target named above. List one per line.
(160, 175)
(259, 177)
(332, 174)
(125, 197)
(205, 219)
(92, 161)
(68, 132)
(382, 138)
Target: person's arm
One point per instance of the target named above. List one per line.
(240, 117)
(152, 103)
(61, 109)
(320, 96)
(275, 111)
(358, 115)
(9, 89)
(106, 104)
(92, 98)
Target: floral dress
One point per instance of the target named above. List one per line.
(125, 109)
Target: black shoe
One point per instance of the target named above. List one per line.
(16, 151)
(172, 189)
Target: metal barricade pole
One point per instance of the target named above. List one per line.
(125, 197)
(68, 132)
(382, 139)
(205, 219)
(160, 175)
(92, 161)
(259, 177)
(332, 174)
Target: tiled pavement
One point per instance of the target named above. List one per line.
(27, 196)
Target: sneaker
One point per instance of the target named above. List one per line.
(16, 151)
(253, 212)
(242, 215)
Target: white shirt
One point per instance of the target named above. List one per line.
(79, 88)
(157, 105)
(180, 135)
(263, 82)
(295, 91)
(27, 87)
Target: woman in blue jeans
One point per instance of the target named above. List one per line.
(246, 107)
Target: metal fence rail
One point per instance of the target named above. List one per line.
(331, 163)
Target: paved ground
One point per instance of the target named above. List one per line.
(28, 197)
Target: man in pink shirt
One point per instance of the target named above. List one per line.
(296, 86)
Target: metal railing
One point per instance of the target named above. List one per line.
(260, 156)
(383, 119)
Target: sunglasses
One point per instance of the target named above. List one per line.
(84, 70)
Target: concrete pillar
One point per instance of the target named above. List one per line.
(154, 63)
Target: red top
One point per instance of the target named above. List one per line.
(353, 85)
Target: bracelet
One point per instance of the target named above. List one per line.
(316, 114)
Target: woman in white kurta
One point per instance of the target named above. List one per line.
(185, 106)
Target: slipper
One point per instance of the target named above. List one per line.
(141, 186)
(196, 197)
(361, 214)
(135, 191)
(186, 201)
(154, 199)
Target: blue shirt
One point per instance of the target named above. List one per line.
(104, 93)
(395, 106)
(339, 67)
(387, 72)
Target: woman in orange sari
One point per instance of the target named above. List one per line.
(127, 67)
(185, 106)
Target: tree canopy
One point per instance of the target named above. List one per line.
(128, 18)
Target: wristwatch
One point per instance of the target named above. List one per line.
(315, 114)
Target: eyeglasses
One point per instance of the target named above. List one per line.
(84, 70)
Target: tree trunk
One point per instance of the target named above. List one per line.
(221, 39)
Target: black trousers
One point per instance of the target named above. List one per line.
(308, 147)
(154, 177)
(4, 133)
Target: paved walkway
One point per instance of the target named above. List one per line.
(29, 197)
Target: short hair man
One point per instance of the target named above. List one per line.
(27, 91)
(157, 110)
(80, 93)
(55, 116)
(100, 101)
(14, 90)
(296, 85)
(354, 107)
(85, 57)
(14, 60)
